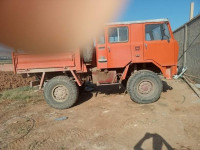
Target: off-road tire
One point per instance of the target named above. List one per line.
(71, 87)
(87, 53)
(135, 81)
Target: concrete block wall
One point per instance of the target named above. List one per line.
(192, 47)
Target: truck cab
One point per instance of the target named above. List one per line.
(149, 41)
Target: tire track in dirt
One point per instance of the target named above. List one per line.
(44, 141)
(15, 129)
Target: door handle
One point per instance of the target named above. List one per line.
(101, 47)
(109, 49)
(145, 45)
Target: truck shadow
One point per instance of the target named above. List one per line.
(109, 90)
(166, 87)
(114, 89)
(158, 142)
(83, 97)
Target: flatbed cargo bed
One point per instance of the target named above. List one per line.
(33, 63)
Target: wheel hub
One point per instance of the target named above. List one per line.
(60, 93)
(145, 87)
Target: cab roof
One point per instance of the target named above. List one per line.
(135, 22)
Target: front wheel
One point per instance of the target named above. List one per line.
(61, 92)
(144, 87)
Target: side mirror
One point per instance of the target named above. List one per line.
(167, 38)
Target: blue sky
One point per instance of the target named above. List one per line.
(177, 11)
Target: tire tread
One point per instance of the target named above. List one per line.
(73, 95)
(134, 77)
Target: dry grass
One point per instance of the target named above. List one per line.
(22, 94)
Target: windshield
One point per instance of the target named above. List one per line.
(156, 32)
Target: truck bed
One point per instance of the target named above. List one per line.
(29, 63)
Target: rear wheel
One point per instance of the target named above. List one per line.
(144, 87)
(61, 92)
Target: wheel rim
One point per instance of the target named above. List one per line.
(146, 88)
(60, 93)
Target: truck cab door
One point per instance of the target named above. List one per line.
(101, 53)
(159, 44)
(118, 46)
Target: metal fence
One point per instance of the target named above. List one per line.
(188, 37)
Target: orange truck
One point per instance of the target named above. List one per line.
(129, 53)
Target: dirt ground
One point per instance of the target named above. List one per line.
(106, 120)
(9, 81)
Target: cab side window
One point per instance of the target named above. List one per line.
(118, 34)
(155, 32)
(166, 31)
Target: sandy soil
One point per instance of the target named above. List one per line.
(9, 81)
(107, 120)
